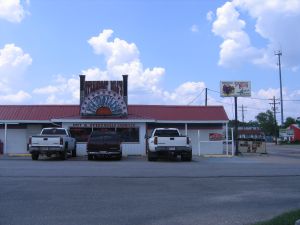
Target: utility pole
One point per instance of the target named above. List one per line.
(236, 127)
(243, 112)
(274, 103)
(243, 115)
(279, 54)
(205, 96)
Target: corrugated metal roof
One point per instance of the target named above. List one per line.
(37, 112)
(177, 112)
(156, 112)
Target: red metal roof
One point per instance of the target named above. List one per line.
(156, 112)
(37, 112)
(177, 112)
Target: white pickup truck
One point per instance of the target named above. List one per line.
(52, 141)
(168, 142)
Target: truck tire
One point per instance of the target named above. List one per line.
(152, 156)
(63, 155)
(186, 157)
(74, 151)
(119, 157)
(35, 156)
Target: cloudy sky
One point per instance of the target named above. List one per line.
(171, 49)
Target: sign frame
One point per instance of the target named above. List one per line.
(235, 88)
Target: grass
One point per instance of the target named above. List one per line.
(288, 218)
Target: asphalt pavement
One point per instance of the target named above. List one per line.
(234, 190)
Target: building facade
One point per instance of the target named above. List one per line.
(104, 106)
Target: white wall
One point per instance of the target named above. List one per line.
(201, 144)
(136, 148)
(16, 140)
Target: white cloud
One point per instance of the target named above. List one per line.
(18, 97)
(63, 91)
(12, 10)
(12, 56)
(46, 90)
(117, 51)
(276, 22)
(210, 16)
(121, 58)
(95, 74)
(194, 28)
(13, 63)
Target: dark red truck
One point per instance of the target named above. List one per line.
(104, 144)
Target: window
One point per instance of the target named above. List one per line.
(81, 134)
(129, 134)
(126, 134)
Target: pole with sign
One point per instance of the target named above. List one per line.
(235, 89)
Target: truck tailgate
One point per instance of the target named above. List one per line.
(172, 141)
(45, 140)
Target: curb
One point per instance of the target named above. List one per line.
(217, 156)
(19, 155)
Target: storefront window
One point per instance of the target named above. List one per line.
(81, 134)
(126, 134)
(129, 134)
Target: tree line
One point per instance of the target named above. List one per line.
(266, 122)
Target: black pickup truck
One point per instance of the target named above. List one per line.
(104, 144)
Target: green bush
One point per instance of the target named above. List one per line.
(288, 218)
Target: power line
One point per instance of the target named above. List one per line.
(196, 97)
(213, 90)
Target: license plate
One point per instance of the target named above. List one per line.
(171, 148)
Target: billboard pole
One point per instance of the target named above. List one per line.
(235, 89)
(236, 127)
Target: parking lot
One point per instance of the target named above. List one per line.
(208, 190)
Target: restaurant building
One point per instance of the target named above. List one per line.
(104, 105)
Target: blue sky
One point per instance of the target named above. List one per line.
(171, 50)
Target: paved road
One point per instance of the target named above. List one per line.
(234, 191)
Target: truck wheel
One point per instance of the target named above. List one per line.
(74, 152)
(151, 156)
(187, 157)
(35, 156)
(90, 157)
(119, 157)
(63, 155)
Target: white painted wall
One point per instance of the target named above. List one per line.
(205, 147)
(81, 148)
(136, 148)
(16, 140)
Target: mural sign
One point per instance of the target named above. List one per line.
(235, 88)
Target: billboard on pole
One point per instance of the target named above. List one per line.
(235, 88)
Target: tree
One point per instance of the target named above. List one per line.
(289, 121)
(267, 124)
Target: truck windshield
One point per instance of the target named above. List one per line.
(166, 133)
(54, 131)
(104, 137)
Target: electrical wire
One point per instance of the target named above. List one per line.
(196, 97)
